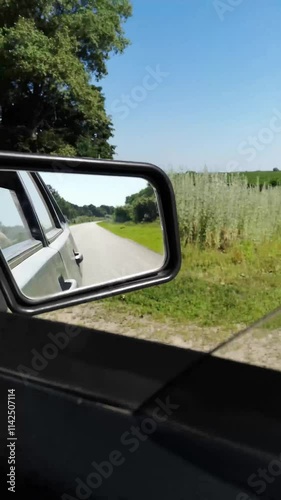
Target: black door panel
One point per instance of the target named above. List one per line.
(215, 441)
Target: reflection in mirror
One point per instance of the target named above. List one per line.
(60, 232)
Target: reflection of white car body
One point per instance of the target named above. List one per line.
(35, 238)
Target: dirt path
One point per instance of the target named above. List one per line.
(96, 316)
(260, 347)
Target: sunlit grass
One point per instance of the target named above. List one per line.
(148, 235)
(214, 288)
(231, 247)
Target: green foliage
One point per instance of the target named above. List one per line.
(213, 288)
(140, 207)
(122, 214)
(144, 210)
(49, 51)
(231, 248)
(147, 192)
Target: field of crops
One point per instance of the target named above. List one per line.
(231, 249)
(231, 261)
(270, 178)
(218, 210)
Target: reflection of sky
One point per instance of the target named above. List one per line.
(94, 189)
(9, 215)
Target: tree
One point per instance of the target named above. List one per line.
(276, 169)
(49, 52)
(106, 210)
(147, 192)
(122, 214)
(144, 210)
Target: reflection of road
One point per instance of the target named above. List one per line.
(108, 257)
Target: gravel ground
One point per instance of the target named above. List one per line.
(258, 346)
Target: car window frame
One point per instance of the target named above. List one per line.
(15, 254)
(18, 253)
(50, 200)
(52, 234)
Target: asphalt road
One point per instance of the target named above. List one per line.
(109, 257)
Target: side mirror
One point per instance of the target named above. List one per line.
(78, 230)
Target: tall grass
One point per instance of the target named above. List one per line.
(217, 210)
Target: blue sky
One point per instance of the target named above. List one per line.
(218, 101)
(94, 189)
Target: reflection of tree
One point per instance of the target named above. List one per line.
(147, 192)
(122, 214)
(140, 207)
(144, 210)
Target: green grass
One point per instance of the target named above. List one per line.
(214, 288)
(265, 177)
(148, 234)
(231, 247)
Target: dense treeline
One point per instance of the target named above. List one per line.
(139, 207)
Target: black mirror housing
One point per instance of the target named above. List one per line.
(19, 303)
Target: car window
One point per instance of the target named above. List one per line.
(209, 115)
(13, 225)
(39, 204)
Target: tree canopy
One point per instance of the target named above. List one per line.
(139, 207)
(50, 54)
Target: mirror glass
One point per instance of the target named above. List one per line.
(60, 232)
